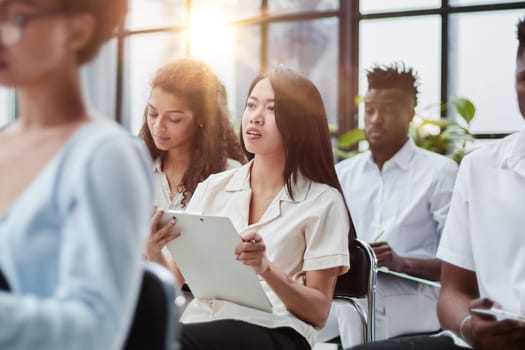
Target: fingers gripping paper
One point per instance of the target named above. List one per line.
(205, 254)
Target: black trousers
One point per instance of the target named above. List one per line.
(423, 342)
(238, 335)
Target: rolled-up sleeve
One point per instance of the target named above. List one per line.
(327, 235)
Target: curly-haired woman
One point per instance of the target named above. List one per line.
(189, 135)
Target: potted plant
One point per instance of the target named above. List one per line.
(449, 137)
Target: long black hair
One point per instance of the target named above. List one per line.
(301, 119)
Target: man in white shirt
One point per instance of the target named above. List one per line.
(483, 247)
(399, 196)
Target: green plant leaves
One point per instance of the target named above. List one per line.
(351, 138)
(444, 136)
(465, 108)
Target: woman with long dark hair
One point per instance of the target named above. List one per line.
(288, 207)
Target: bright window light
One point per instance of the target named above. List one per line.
(209, 33)
(219, 44)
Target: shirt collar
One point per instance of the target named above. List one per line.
(240, 181)
(157, 165)
(401, 158)
(513, 155)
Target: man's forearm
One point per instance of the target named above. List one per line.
(424, 268)
(458, 289)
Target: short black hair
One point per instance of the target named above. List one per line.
(108, 15)
(397, 75)
(521, 36)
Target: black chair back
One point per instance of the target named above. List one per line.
(355, 283)
(3, 282)
(154, 322)
(360, 282)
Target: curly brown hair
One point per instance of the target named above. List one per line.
(215, 140)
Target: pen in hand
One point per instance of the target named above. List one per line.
(251, 252)
(378, 236)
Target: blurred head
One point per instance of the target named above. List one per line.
(107, 16)
(520, 67)
(38, 37)
(185, 112)
(390, 103)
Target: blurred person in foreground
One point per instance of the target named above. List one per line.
(75, 190)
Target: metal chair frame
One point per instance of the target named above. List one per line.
(346, 291)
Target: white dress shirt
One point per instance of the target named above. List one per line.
(485, 231)
(405, 205)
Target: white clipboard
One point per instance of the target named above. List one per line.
(205, 255)
(386, 270)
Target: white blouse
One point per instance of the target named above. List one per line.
(163, 196)
(304, 233)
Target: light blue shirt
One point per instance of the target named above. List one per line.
(71, 245)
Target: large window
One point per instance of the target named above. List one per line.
(145, 53)
(234, 39)
(371, 6)
(148, 14)
(232, 51)
(309, 47)
(460, 48)
(295, 6)
(480, 2)
(483, 60)
(412, 41)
